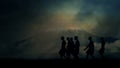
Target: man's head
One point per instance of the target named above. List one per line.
(90, 38)
(62, 37)
(76, 37)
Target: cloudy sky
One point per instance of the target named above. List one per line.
(32, 28)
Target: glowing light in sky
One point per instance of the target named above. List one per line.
(64, 18)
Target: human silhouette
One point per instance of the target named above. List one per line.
(76, 46)
(90, 48)
(102, 49)
(68, 48)
(63, 48)
(72, 47)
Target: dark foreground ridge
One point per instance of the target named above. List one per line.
(59, 62)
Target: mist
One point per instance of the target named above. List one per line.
(32, 29)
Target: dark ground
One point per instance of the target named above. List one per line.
(61, 63)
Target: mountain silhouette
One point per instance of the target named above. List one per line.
(84, 35)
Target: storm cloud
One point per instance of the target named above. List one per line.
(105, 13)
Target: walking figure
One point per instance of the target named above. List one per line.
(102, 49)
(90, 48)
(76, 46)
(68, 48)
(63, 48)
(72, 47)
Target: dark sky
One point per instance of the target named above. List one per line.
(30, 28)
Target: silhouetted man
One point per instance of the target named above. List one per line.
(68, 48)
(90, 48)
(63, 49)
(77, 45)
(72, 47)
(102, 49)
